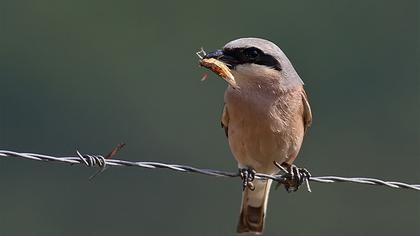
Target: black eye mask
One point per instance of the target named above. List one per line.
(252, 55)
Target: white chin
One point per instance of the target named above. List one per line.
(249, 75)
(255, 71)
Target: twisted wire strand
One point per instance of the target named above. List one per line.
(103, 163)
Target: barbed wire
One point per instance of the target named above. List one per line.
(105, 161)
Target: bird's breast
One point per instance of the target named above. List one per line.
(264, 125)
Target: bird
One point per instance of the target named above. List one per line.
(265, 118)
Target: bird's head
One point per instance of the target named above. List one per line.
(255, 60)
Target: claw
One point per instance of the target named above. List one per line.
(247, 176)
(294, 177)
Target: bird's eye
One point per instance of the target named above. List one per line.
(251, 53)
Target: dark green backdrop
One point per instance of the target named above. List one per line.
(86, 75)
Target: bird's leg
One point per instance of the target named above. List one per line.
(247, 176)
(295, 176)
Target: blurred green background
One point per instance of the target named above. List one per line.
(89, 74)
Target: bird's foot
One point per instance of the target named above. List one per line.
(294, 177)
(247, 176)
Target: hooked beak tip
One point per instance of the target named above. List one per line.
(216, 54)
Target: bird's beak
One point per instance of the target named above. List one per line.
(220, 64)
(219, 55)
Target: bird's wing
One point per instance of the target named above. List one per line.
(307, 114)
(225, 120)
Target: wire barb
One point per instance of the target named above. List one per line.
(294, 177)
(104, 162)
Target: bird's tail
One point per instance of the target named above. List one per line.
(254, 206)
